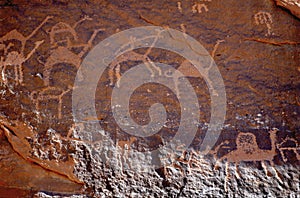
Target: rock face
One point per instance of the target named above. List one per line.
(292, 5)
(46, 151)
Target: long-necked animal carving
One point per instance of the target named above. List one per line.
(248, 151)
(16, 57)
(65, 46)
(49, 93)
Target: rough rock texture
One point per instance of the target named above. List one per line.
(44, 153)
(292, 5)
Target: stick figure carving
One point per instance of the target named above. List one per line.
(248, 151)
(289, 144)
(62, 48)
(264, 18)
(17, 58)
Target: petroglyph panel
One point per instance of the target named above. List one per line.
(255, 46)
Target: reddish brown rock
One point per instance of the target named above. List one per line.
(292, 5)
(255, 45)
(20, 177)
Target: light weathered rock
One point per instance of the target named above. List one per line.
(292, 5)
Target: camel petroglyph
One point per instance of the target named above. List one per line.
(248, 151)
(49, 93)
(188, 69)
(63, 40)
(129, 55)
(16, 58)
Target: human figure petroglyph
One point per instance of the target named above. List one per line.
(248, 151)
(289, 144)
(62, 48)
(49, 93)
(64, 40)
(17, 58)
(264, 18)
(183, 29)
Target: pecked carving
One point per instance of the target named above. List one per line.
(16, 58)
(248, 151)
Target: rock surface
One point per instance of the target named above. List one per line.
(46, 153)
(292, 5)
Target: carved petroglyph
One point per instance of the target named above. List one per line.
(126, 144)
(213, 53)
(248, 151)
(63, 40)
(183, 29)
(114, 67)
(179, 6)
(262, 18)
(188, 69)
(16, 58)
(49, 93)
(65, 49)
(198, 7)
(289, 144)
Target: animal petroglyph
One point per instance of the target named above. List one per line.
(64, 50)
(16, 58)
(63, 40)
(248, 151)
(114, 67)
(289, 144)
(264, 18)
(198, 7)
(126, 144)
(188, 69)
(49, 93)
